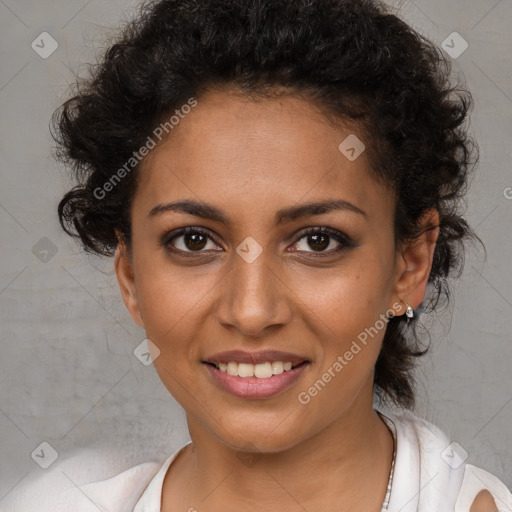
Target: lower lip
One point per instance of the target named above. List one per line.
(253, 387)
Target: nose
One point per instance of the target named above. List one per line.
(254, 299)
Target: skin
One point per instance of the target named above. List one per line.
(484, 502)
(251, 159)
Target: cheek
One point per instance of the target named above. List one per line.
(347, 312)
(176, 306)
(350, 337)
(172, 300)
(341, 303)
(173, 308)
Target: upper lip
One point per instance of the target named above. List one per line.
(262, 356)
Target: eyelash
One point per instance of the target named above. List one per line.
(345, 241)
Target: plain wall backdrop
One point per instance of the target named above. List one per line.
(68, 373)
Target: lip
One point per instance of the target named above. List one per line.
(262, 356)
(253, 387)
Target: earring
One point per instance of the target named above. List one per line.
(409, 312)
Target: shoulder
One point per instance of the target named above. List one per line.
(484, 502)
(440, 470)
(68, 487)
(473, 489)
(482, 492)
(120, 491)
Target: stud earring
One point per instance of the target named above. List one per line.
(409, 312)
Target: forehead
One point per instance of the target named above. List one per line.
(239, 153)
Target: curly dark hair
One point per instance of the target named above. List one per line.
(354, 59)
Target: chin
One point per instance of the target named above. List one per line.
(259, 435)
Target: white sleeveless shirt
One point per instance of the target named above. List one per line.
(430, 475)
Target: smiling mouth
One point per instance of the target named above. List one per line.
(261, 370)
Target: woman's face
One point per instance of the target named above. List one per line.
(247, 277)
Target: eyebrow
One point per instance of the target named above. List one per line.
(207, 211)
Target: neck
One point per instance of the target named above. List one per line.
(344, 467)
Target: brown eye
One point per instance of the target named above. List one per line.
(190, 240)
(195, 241)
(320, 241)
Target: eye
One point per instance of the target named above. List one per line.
(322, 240)
(190, 239)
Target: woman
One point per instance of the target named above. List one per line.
(279, 182)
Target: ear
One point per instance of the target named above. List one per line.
(415, 261)
(125, 277)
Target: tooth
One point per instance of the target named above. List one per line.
(277, 367)
(245, 370)
(232, 368)
(263, 370)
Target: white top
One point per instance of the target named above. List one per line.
(430, 475)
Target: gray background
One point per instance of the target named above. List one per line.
(68, 375)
